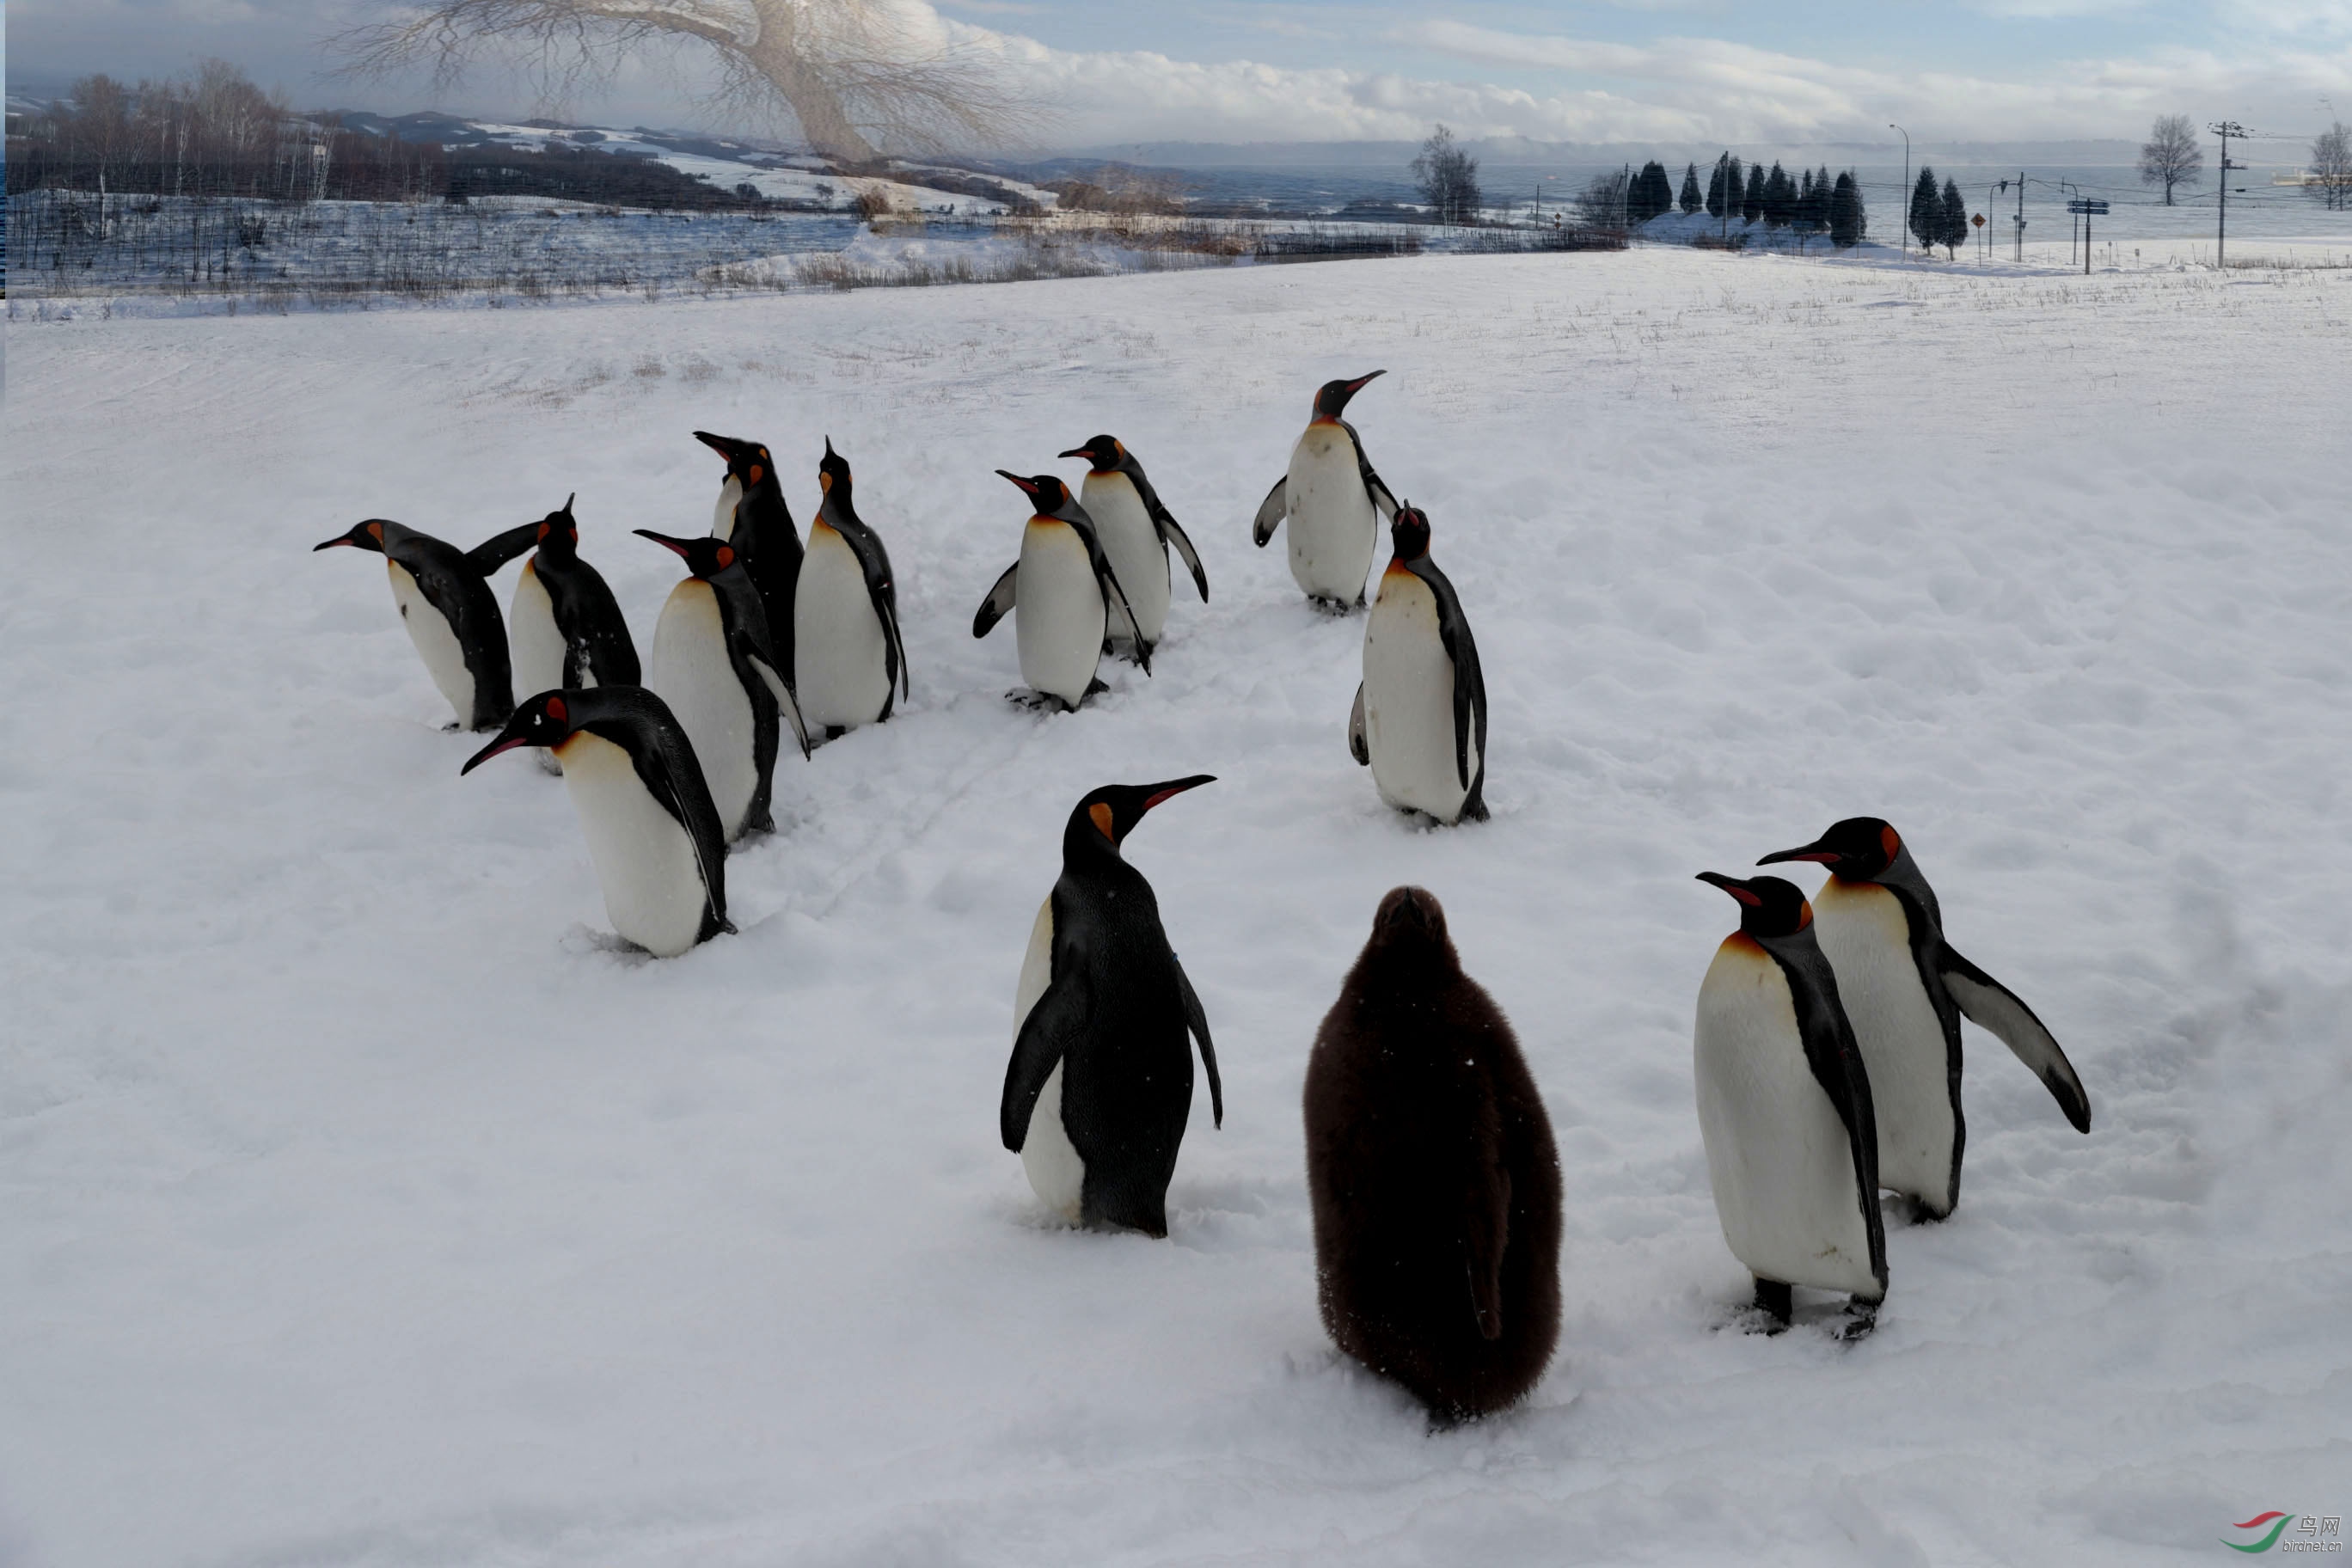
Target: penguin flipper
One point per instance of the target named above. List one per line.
(999, 602)
(1359, 746)
(1057, 1018)
(1469, 678)
(1108, 580)
(1176, 536)
(500, 548)
(895, 650)
(1271, 512)
(1197, 1020)
(1373, 485)
(786, 703)
(1992, 1006)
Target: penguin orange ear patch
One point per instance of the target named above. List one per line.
(1804, 914)
(1890, 841)
(375, 532)
(1100, 811)
(556, 711)
(756, 472)
(726, 557)
(543, 534)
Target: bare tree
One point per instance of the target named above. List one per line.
(1448, 178)
(2331, 166)
(2170, 155)
(858, 75)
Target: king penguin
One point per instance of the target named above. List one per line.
(1334, 501)
(1060, 591)
(1137, 529)
(1430, 1163)
(713, 668)
(651, 829)
(1784, 1107)
(1100, 1083)
(1906, 989)
(563, 627)
(444, 597)
(752, 516)
(850, 663)
(1420, 718)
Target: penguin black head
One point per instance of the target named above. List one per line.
(833, 477)
(1769, 907)
(1104, 452)
(559, 532)
(1858, 850)
(1409, 532)
(704, 555)
(368, 535)
(1409, 937)
(1104, 818)
(1331, 398)
(1050, 494)
(543, 720)
(747, 460)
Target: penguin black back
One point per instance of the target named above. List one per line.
(455, 583)
(1434, 1181)
(765, 536)
(595, 635)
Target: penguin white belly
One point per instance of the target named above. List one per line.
(690, 671)
(1409, 701)
(1056, 1172)
(645, 860)
(534, 647)
(839, 653)
(1138, 559)
(1334, 527)
(1057, 612)
(437, 643)
(1776, 1153)
(1867, 939)
(722, 516)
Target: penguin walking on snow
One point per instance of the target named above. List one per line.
(651, 829)
(1100, 1083)
(444, 597)
(563, 627)
(1420, 718)
(1137, 529)
(1906, 990)
(850, 663)
(751, 516)
(1434, 1181)
(713, 668)
(1784, 1107)
(1060, 592)
(1334, 501)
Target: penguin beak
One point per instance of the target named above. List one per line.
(1159, 792)
(505, 742)
(330, 544)
(1808, 852)
(1028, 487)
(1363, 381)
(676, 546)
(722, 445)
(1085, 452)
(1734, 885)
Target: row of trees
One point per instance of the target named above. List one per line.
(1808, 203)
(1939, 217)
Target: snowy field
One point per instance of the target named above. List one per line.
(366, 1207)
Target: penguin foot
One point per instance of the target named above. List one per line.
(450, 727)
(1777, 1303)
(1861, 1317)
(1040, 702)
(1097, 684)
(836, 732)
(1923, 1215)
(1334, 608)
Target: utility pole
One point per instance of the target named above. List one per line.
(2021, 216)
(1904, 227)
(1990, 192)
(2225, 129)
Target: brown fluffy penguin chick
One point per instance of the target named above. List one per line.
(1436, 1185)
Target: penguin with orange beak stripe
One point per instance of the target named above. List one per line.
(1059, 592)
(1100, 1083)
(651, 829)
(752, 516)
(564, 627)
(850, 664)
(1906, 990)
(1137, 530)
(445, 601)
(1420, 718)
(1784, 1107)
(1334, 502)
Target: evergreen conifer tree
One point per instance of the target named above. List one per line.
(1846, 228)
(1777, 197)
(1822, 188)
(1925, 218)
(1715, 187)
(1752, 207)
(1690, 188)
(1955, 220)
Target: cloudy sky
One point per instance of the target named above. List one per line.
(1234, 70)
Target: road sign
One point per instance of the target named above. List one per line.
(1977, 220)
(2093, 208)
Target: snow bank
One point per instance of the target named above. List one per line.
(366, 1207)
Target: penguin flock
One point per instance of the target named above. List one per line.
(1827, 1051)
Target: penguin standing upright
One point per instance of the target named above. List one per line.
(651, 829)
(1060, 592)
(1784, 1107)
(1906, 990)
(1334, 501)
(565, 629)
(1137, 529)
(444, 597)
(752, 516)
(712, 666)
(1100, 1083)
(1420, 718)
(850, 663)
(1430, 1165)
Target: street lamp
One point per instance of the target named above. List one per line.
(1902, 224)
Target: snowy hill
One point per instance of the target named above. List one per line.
(366, 1207)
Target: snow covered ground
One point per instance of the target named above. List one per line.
(366, 1207)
